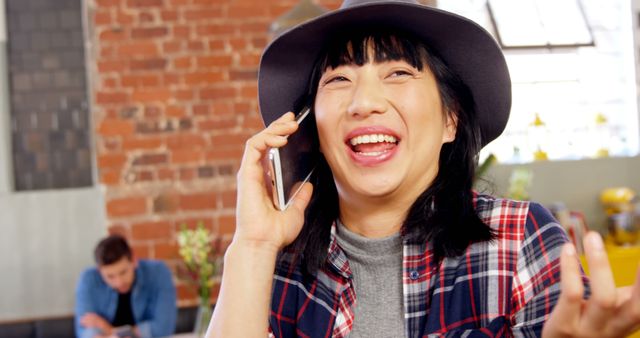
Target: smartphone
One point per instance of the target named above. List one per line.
(292, 165)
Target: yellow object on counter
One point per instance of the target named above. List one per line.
(624, 261)
(616, 200)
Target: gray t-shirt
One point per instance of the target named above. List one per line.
(376, 265)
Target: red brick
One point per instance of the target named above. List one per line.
(198, 201)
(243, 75)
(186, 141)
(218, 123)
(169, 79)
(118, 229)
(244, 107)
(151, 95)
(138, 49)
(143, 176)
(107, 52)
(172, 46)
(182, 62)
(146, 17)
(226, 225)
(166, 203)
(203, 78)
(148, 64)
(238, 44)
(152, 230)
(153, 112)
(184, 94)
(188, 174)
(102, 18)
(127, 206)
(249, 91)
(229, 139)
(111, 97)
(201, 109)
(108, 3)
(111, 66)
(222, 108)
(245, 11)
(141, 250)
(214, 61)
(219, 154)
(259, 43)
(116, 127)
(109, 177)
(169, 15)
(166, 174)
(186, 156)
(112, 35)
(151, 159)
(176, 111)
(214, 29)
(249, 60)
(216, 45)
(142, 143)
(140, 80)
(166, 251)
(203, 14)
(149, 32)
(218, 93)
(109, 83)
(181, 32)
(145, 3)
(195, 46)
(124, 18)
(254, 27)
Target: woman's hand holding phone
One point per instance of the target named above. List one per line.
(258, 221)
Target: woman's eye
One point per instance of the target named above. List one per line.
(336, 79)
(401, 72)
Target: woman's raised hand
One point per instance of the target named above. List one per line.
(609, 312)
(258, 221)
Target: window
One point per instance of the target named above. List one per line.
(585, 96)
(539, 23)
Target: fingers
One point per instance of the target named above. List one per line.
(565, 317)
(295, 211)
(601, 305)
(274, 136)
(629, 312)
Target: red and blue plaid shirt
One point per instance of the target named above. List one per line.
(502, 288)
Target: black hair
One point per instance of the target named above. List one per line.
(111, 249)
(444, 213)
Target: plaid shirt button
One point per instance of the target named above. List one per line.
(414, 275)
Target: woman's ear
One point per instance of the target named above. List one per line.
(450, 127)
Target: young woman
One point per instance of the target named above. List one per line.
(389, 240)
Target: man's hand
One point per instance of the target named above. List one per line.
(609, 312)
(93, 320)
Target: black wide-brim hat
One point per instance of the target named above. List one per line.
(467, 48)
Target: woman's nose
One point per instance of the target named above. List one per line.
(367, 98)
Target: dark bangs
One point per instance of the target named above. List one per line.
(356, 49)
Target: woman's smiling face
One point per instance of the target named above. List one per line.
(381, 127)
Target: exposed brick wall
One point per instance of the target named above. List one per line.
(174, 99)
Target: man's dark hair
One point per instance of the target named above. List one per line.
(443, 214)
(111, 250)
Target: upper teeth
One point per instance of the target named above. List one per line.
(373, 138)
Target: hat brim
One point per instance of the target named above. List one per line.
(468, 49)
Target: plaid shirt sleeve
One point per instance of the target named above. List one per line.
(536, 283)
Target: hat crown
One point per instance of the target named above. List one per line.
(353, 3)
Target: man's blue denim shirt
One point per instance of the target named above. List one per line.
(153, 300)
